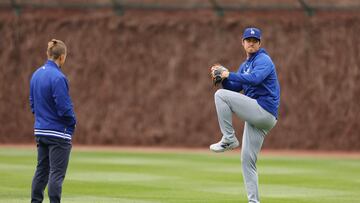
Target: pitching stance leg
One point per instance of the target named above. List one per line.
(258, 123)
(251, 144)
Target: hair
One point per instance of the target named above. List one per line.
(55, 49)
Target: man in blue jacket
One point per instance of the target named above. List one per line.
(54, 123)
(258, 106)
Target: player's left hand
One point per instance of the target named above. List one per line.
(218, 73)
(220, 68)
(213, 68)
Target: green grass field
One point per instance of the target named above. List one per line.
(149, 177)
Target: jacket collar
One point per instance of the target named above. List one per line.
(52, 63)
(252, 57)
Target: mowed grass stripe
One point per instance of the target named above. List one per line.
(148, 177)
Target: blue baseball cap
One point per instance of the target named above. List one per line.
(252, 32)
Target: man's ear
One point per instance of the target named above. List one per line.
(62, 58)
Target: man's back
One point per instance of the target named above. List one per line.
(50, 101)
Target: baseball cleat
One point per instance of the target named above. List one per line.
(224, 146)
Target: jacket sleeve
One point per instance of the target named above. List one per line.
(262, 68)
(31, 99)
(63, 103)
(232, 85)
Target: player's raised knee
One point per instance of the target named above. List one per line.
(246, 158)
(220, 93)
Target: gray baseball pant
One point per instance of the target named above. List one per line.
(258, 122)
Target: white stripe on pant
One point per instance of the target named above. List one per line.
(258, 122)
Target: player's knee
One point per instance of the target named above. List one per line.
(244, 157)
(220, 93)
(247, 159)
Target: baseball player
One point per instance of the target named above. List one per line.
(54, 123)
(257, 106)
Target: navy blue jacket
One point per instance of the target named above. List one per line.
(51, 103)
(257, 77)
